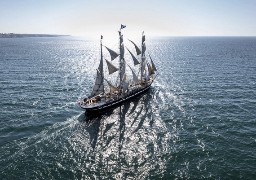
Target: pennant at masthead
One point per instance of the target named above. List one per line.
(123, 26)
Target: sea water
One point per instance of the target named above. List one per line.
(197, 121)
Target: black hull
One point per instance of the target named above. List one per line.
(117, 102)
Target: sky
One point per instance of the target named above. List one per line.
(156, 17)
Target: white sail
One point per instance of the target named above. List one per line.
(112, 87)
(111, 67)
(147, 76)
(152, 63)
(98, 86)
(150, 70)
(138, 51)
(125, 86)
(135, 60)
(112, 53)
(134, 76)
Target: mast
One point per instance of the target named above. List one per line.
(101, 61)
(99, 84)
(121, 57)
(143, 48)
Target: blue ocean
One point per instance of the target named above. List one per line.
(198, 120)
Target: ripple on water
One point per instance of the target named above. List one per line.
(197, 121)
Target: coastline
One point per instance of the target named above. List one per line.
(13, 35)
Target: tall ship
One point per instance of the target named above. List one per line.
(101, 97)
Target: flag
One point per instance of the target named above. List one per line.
(123, 26)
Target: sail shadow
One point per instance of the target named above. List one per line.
(144, 112)
(135, 104)
(140, 100)
(97, 125)
(92, 125)
(122, 116)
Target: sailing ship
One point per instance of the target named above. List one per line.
(103, 98)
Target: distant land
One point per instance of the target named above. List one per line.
(13, 35)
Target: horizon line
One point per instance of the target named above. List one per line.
(94, 36)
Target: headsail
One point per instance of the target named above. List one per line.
(135, 60)
(111, 67)
(112, 53)
(112, 87)
(98, 87)
(150, 70)
(152, 63)
(138, 51)
(134, 76)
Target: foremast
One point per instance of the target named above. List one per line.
(143, 58)
(99, 82)
(122, 75)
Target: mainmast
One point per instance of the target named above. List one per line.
(101, 61)
(143, 48)
(121, 58)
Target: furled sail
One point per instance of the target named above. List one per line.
(143, 66)
(112, 53)
(135, 60)
(138, 51)
(143, 37)
(121, 46)
(143, 47)
(122, 71)
(122, 61)
(143, 43)
(143, 58)
(111, 67)
(122, 51)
